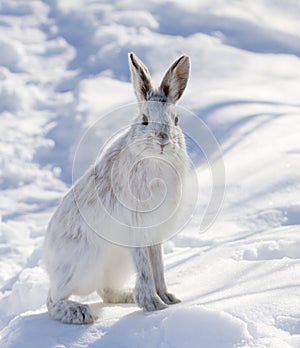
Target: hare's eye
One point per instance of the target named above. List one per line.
(176, 120)
(145, 120)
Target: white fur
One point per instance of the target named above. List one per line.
(131, 196)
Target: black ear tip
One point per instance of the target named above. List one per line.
(130, 55)
(184, 57)
(181, 59)
(186, 60)
(133, 61)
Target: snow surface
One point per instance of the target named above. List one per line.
(63, 64)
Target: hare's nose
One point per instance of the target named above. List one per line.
(163, 136)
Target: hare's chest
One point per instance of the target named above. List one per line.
(155, 187)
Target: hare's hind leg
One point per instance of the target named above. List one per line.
(69, 312)
(155, 252)
(110, 295)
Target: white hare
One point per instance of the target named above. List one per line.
(78, 260)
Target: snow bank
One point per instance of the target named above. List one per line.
(175, 327)
(28, 292)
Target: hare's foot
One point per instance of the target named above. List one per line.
(110, 295)
(150, 303)
(70, 312)
(168, 298)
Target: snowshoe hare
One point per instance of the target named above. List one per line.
(152, 151)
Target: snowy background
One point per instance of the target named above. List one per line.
(63, 64)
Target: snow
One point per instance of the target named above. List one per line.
(192, 326)
(63, 68)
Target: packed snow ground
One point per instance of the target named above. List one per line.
(63, 64)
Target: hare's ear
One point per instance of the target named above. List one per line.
(175, 80)
(140, 77)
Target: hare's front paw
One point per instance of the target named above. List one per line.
(168, 298)
(150, 303)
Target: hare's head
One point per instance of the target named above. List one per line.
(157, 125)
